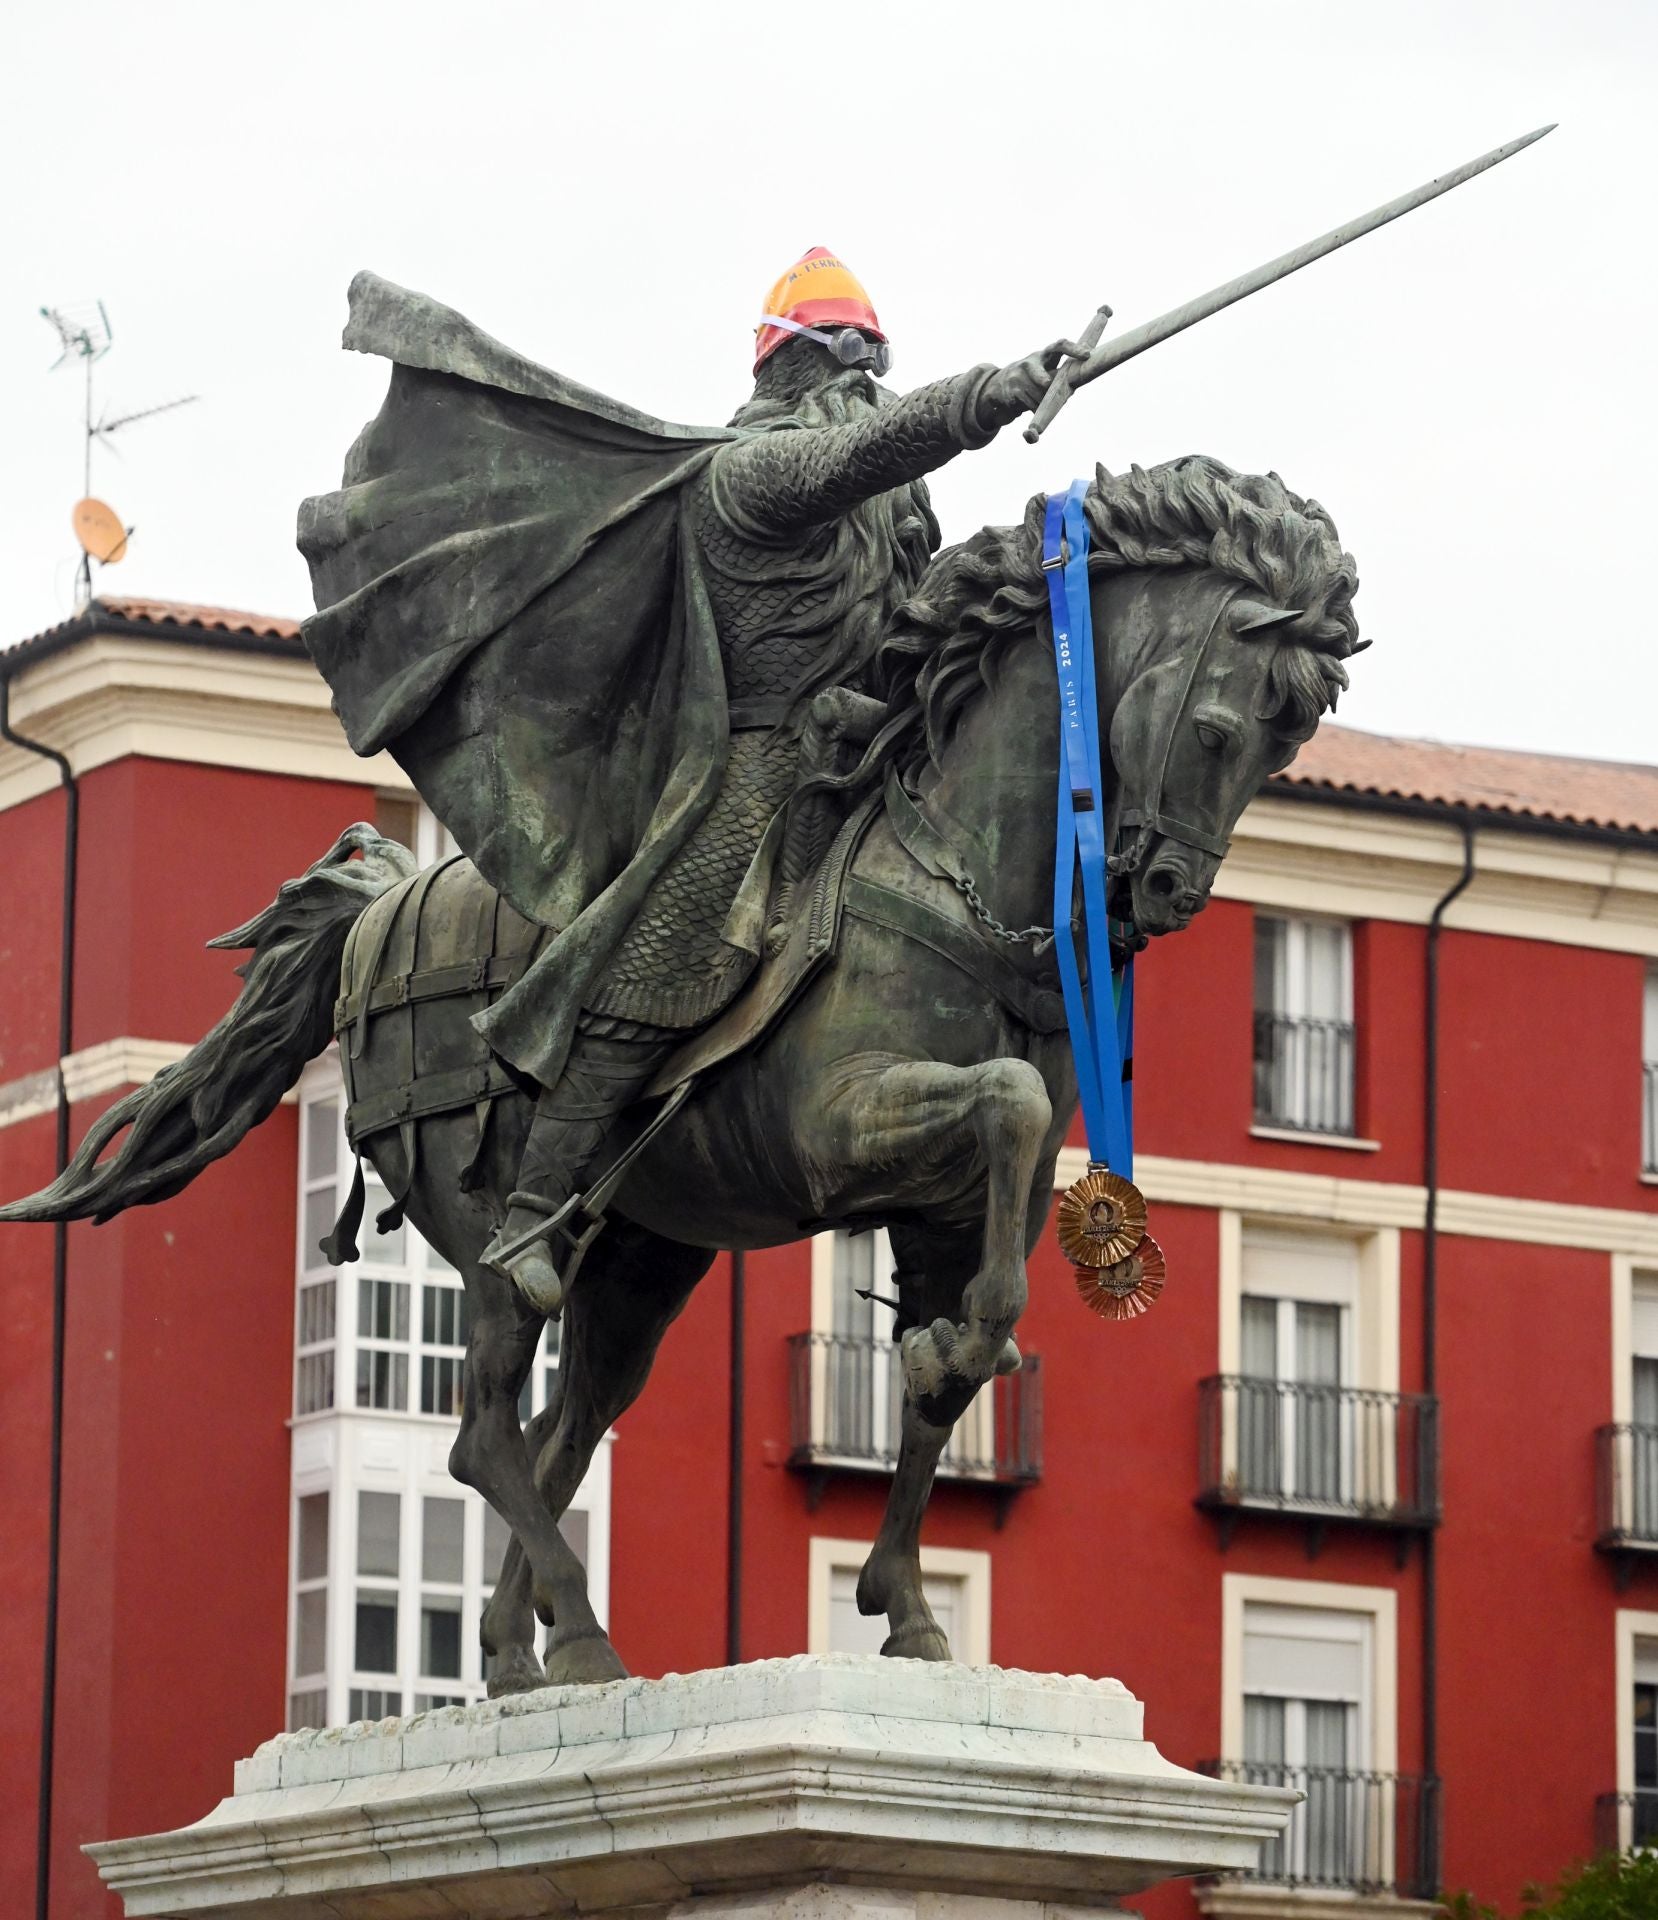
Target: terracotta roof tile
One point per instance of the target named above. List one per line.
(1605, 795)
(180, 613)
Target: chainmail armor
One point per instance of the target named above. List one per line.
(765, 515)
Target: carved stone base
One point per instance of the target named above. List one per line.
(771, 1788)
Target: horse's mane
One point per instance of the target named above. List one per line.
(943, 644)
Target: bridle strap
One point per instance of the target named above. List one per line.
(1151, 819)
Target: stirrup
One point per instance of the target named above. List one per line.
(558, 1223)
(499, 1254)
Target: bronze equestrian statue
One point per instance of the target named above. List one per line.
(759, 800)
(757, 796)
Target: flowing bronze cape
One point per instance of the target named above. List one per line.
(508, 601)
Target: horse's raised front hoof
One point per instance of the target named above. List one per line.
(586, 1660)
(1010, 1359)
(516, 1671)
(921, 1640)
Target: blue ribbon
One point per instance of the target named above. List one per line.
(1100, 1011)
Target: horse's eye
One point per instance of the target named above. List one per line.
(1214, 738)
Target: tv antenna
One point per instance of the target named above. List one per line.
(85, 334)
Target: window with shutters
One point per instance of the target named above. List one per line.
(1310, 1680)
(1304, 1032)
(848, 1385)
(1306, 1724)
(1305, 1417)
(1628, 1816)
(956, 1583)
(1649, 1077)
(1627, 1448)
(1643, 1406)
(1296, 1436)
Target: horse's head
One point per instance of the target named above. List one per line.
(1224, 685)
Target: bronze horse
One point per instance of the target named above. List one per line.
(921, 1081)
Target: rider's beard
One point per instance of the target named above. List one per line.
(799, 383)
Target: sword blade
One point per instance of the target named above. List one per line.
(1178, 319)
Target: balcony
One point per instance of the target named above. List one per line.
(1320, 1454)
(1649, 1118)
(846, 1395)
(1624, 1821)
(1370, 1833)
(1304, 1074)
(1626, 1493)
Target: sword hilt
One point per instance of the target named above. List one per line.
(1060, 391)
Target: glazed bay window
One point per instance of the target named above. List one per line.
(1304, 1035)
(387, 1333)
(391, 1562)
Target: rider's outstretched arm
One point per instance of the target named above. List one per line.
(796, 477)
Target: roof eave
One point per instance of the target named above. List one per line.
(96, 620)
(1456, 814)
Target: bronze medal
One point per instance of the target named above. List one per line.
(1121, 1291)
(1101, 1219)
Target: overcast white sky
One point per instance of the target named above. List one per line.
(612, 188)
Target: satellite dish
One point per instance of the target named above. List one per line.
(99, 530)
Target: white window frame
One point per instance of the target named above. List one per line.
(1374, 1334)
(421, 1267)
(968, 1565)
(1635, 1633)
(1630, 1276)
(1241, 1591)
(345, 1449)
(1370, 1331)
(974, 1435)
(1290, 1001)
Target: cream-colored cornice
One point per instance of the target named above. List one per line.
(1306, 858)
(1265, 1193)
(112, 695)
(105, 1068)
(1261, 1193)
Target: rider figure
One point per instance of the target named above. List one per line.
(814, 524)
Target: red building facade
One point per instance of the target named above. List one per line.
(1368, 1503)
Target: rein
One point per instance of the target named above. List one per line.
(1102, 1218)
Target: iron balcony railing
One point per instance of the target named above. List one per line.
(1361, 1832)
(1624, 1821)
(1649, 1117)
(1337, 1453)
(1626, 1482)
(846, 1397)
(1304, 1073)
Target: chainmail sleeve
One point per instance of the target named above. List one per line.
(783, 482)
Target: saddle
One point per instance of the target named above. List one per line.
(400, 960)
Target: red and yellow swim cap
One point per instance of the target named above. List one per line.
(817, 291)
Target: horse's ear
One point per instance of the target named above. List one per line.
(1255, 616)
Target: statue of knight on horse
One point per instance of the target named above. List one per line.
(692, 607)
(765, 920)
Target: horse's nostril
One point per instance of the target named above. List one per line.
(1160, 881)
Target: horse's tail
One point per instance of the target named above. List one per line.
(196, 1110)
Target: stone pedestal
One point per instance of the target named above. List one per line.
(818, 1788)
